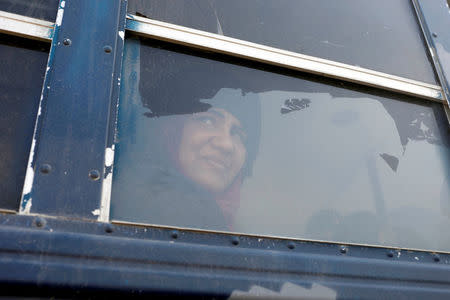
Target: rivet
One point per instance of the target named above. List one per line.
(45, 168)
(235, 240)
(107, 49)
(291, 245)
(436, 257)
(109, 228)
(434, 34)
(343, 249)
(174, 234)
(94, 174)
(40, 222)
(67, 42)
(390, 253)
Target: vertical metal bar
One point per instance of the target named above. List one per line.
(434, 19)
(113, 115)
(66, 165)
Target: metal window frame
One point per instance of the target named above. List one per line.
(216, 43)
(26, 27)
(278, 57)
(433, 17)
(57, 248)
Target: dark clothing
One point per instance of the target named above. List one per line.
(166, 197)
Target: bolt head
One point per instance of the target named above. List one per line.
(174, 234)
(45, 168)
(94, 174)
(40, 222)
(109, 228)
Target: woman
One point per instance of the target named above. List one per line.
(203, 132)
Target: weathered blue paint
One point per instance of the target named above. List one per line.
(62, 257)
(71, 134)
(434, 18)
(26, 201)
(73, 258)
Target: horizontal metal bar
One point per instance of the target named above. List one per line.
(26, 27)
(278, 57)
(273, 237)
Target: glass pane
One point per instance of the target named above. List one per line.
(203, 143)
(40, 9)
(381, 35)
(22, 68)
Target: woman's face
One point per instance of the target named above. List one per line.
(212, 150)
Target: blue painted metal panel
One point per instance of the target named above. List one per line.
(434, 17)
(72, 130)
(55, 257)
(45, 255)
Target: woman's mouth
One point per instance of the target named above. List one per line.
(217, 162)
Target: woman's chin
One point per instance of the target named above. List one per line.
(212, 183)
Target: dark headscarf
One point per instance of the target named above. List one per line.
(173, 83)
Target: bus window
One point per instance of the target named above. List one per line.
(40, 9)
(208, 144)
(22, 66)
(378, 35)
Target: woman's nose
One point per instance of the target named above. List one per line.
(223, 141)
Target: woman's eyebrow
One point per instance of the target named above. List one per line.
(217, 113)
(222, 116)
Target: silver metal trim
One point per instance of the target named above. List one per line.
(198, 230)
(278, 57)
(432, 49)
(447, 113)
(7, 211)
(26, 27)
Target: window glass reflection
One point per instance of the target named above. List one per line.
(22, 65)
(381, 35)
(211, 145)
(39, 9)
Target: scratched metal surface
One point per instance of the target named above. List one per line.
(71, 132)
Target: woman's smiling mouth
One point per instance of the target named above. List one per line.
(217, 162)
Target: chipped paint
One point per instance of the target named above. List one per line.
(105, 199)
(96, 212)
(60, 14)
(109, 156)
(122, 34)
(28, 184)
(27, 208)
(107, 184)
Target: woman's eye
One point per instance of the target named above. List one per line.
(239, 133)
(206, 120)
